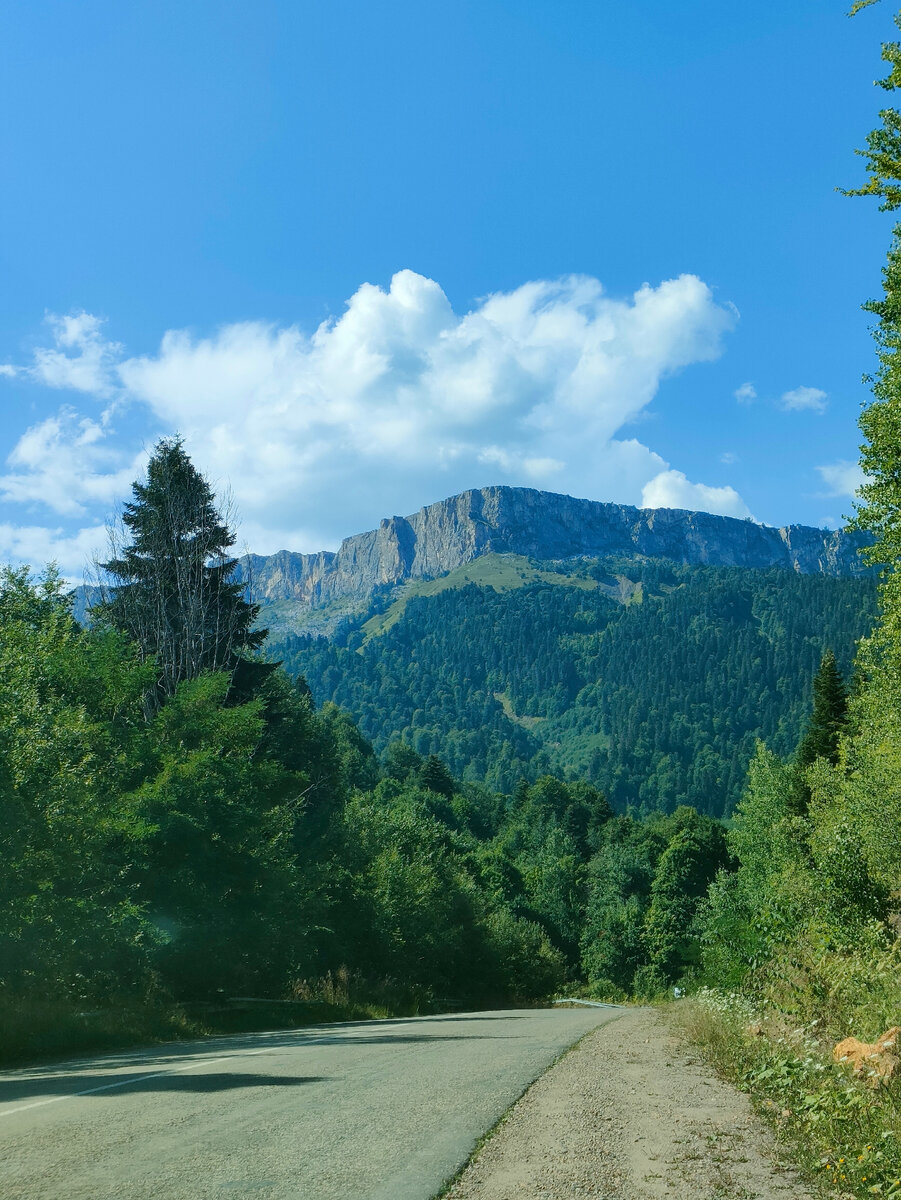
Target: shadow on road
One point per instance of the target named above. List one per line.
(74, 1078)
(101, 1085)
(310, 1035)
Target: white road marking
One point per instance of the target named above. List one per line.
(107, 1087)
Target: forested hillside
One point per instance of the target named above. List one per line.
(649, 679)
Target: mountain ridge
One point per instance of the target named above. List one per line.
(547, 525)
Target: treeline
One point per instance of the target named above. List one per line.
(180, 823)
(658, 703)
(221, 845)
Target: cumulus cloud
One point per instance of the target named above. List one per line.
(671, 489)
(38, 545)
(800, 399)
(397, 402)
(80, 359)
(63, 463)
(842, 478)
(746, 394)
(728, 457)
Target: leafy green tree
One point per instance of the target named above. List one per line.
(684, 872)
(219, 871)
(751, 914)
(71, 729)
(402, 761)
(171, 589)
(879, 496)
(358, 765)
(619, 881)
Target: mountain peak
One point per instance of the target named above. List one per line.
(546, 525)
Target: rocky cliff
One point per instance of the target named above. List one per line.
(543, 525)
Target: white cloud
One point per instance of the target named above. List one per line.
(842, 478)
(63, 463)
(671, 489)
(728, 457)
(8, 370)
(399, 402)
(80, 359)
(746, 394)
(805, 398)
(38, 545)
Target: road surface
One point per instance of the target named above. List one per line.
(367, 1110)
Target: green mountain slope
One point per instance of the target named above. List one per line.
(651, 679)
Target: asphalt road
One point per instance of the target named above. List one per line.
(368, 1110)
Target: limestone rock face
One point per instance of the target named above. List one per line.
(543, 525)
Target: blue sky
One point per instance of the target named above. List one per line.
(364, 256)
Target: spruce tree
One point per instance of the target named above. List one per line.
(830, 705)
(172, 587)
(435, 776)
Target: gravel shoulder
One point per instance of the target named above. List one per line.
(630, 1113)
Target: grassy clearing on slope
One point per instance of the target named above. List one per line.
(844, 1135)
(502, 572)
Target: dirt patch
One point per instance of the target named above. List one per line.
(629, 1114)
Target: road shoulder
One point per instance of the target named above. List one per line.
(630, 1113)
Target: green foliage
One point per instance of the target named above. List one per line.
(846, 1135)
(70, 735)
(683, 874)
(657, 703)
(645, 884)
(212, 847)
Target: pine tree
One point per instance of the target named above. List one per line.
(435, 776)
(830, 705)
(172, 589)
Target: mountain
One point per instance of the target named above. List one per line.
(650, 679)
(541, 525)
(515, 632)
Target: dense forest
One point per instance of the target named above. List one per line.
(658, 702)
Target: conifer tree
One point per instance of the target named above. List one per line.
(173, 590)
(830, 706)
(435, 776)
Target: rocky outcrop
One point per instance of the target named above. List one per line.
(542, 525)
